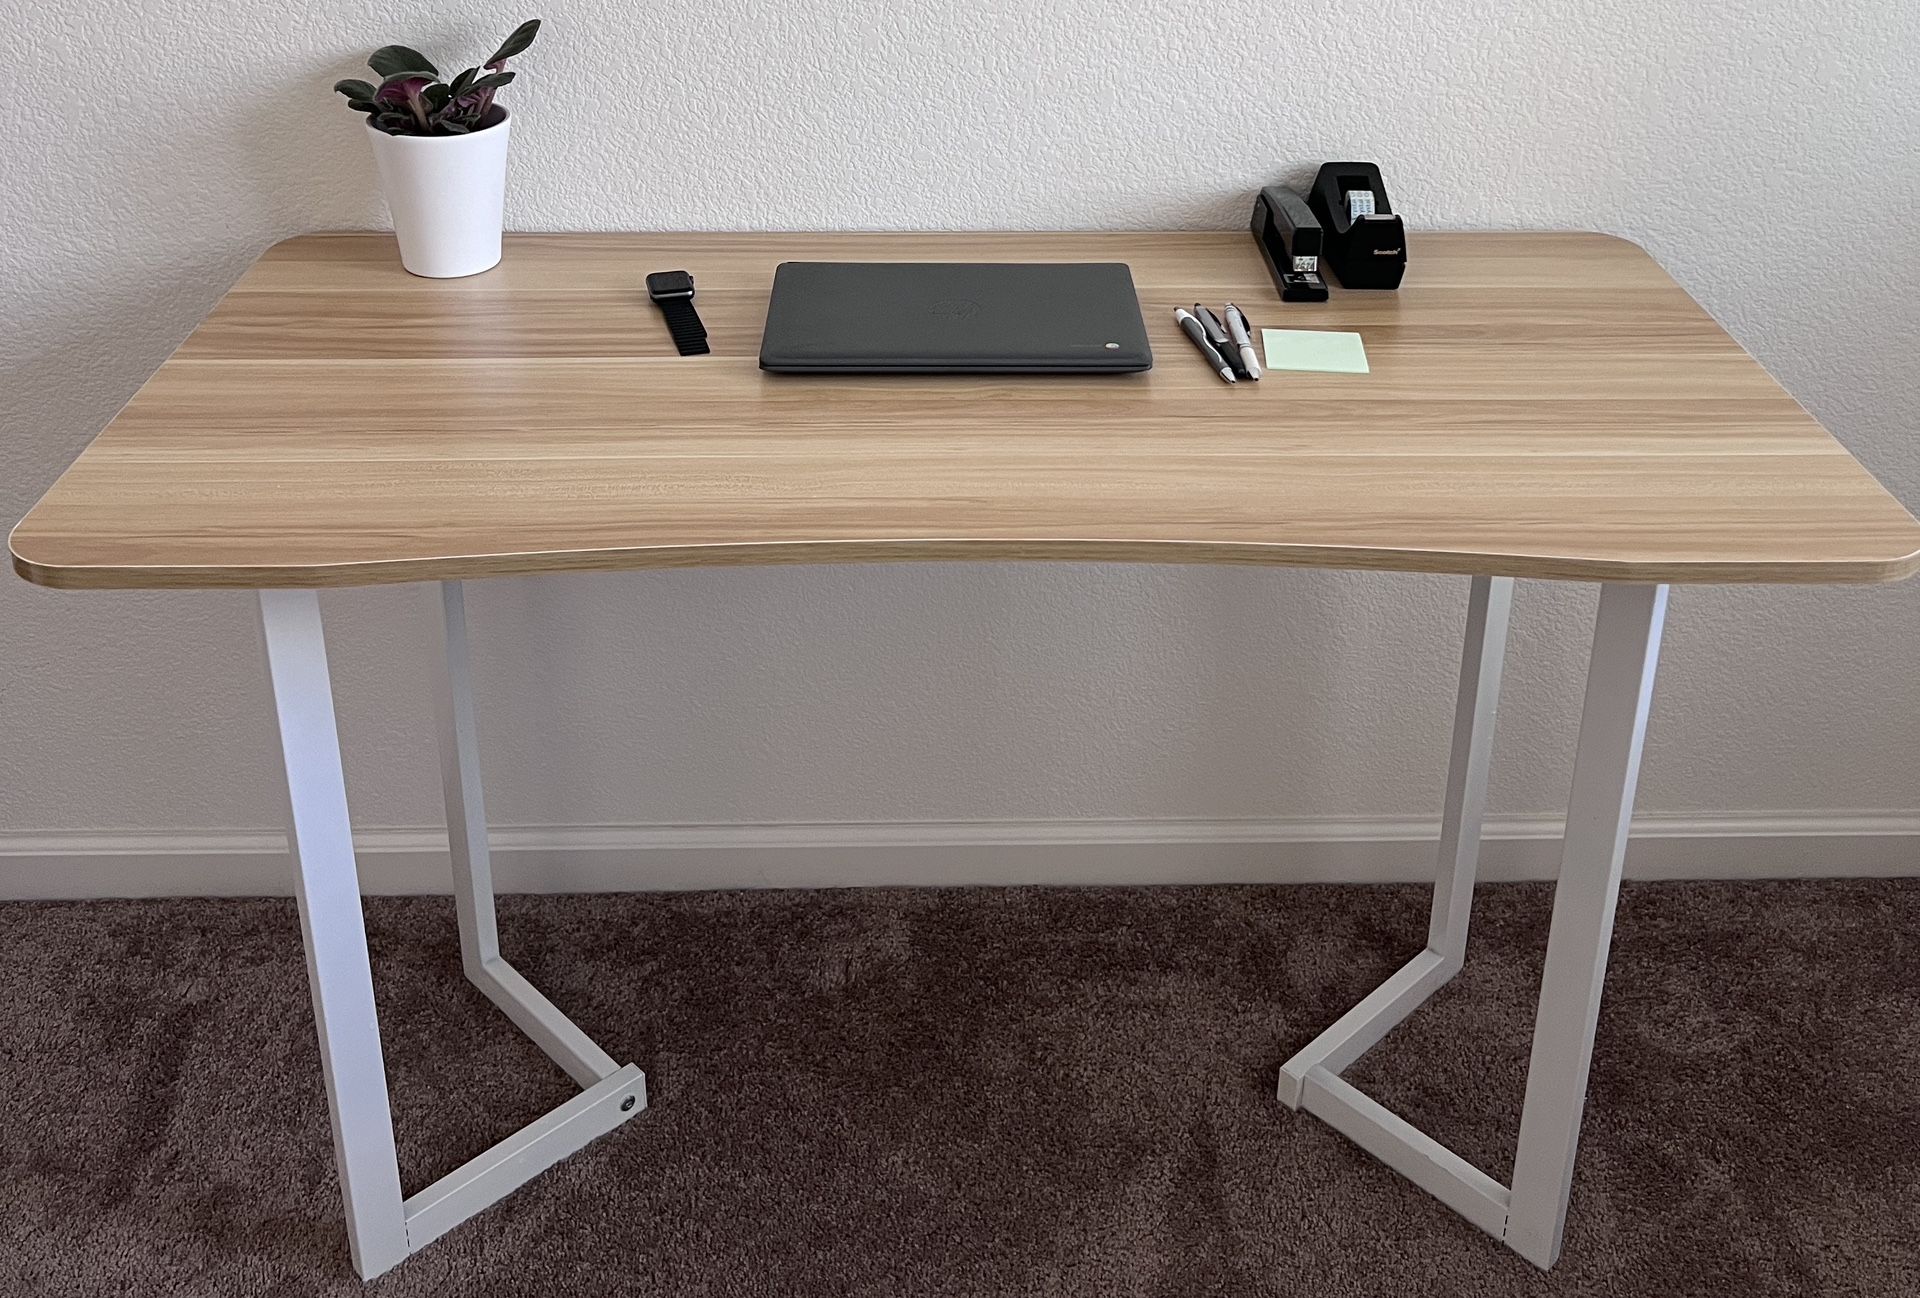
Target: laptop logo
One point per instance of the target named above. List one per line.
(955, 308)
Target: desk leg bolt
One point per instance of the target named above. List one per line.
(626, 1105)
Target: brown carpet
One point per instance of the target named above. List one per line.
(969, 1092)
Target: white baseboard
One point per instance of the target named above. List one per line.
(610, 858)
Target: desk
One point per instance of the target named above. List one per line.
(1542, 405)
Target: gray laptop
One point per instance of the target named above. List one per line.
(850, 317)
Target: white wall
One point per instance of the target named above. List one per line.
(153, 152)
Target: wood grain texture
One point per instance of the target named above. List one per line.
(1541, 405)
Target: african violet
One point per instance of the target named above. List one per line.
(411, 99)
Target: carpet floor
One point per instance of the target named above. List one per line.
(969, 1092)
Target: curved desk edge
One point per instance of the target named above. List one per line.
(1864, 571)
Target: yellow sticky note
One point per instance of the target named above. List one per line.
(1314, 349)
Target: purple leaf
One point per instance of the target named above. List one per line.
(400, 90)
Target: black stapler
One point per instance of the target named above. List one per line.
(1365, 243)
(1289, 239)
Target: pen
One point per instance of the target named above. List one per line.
(1216, 334)
(1243, 339)
(1198, 332)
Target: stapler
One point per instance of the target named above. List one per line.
(1365, 243)
(1289, 239)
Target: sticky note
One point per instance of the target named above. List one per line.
(1314, 349)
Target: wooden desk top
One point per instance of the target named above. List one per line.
(1541, 405)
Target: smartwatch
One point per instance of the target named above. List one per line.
(672, 292)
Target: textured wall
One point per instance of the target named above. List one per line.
(1720, 136)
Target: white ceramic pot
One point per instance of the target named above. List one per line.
(448, 196)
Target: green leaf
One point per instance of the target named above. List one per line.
(363, 106)
(465, 79)
(522, 37)
(492, 81)
(435, 97)
(355, 89)
(389, 60)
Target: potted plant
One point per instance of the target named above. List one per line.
(441, 149)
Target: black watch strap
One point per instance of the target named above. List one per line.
(683, 322)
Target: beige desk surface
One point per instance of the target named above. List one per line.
(1541, 405)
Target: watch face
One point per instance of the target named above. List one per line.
(669, 283)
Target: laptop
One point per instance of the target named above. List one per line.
(849, 317)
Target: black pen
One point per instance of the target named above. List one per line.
(1198, 332)
(1217, 336)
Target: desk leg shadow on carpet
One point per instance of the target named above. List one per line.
(955, 1092)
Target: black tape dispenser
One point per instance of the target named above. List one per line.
(1364, 242)
(1289, 239)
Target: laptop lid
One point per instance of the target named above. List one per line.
(843, 317)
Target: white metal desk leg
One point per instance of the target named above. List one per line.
(1489, 605)
(382, 1226)
(460, 781)
(488, 970)
(1613, 724)
(1484, 655)
(338, 972)
(1606, 769)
